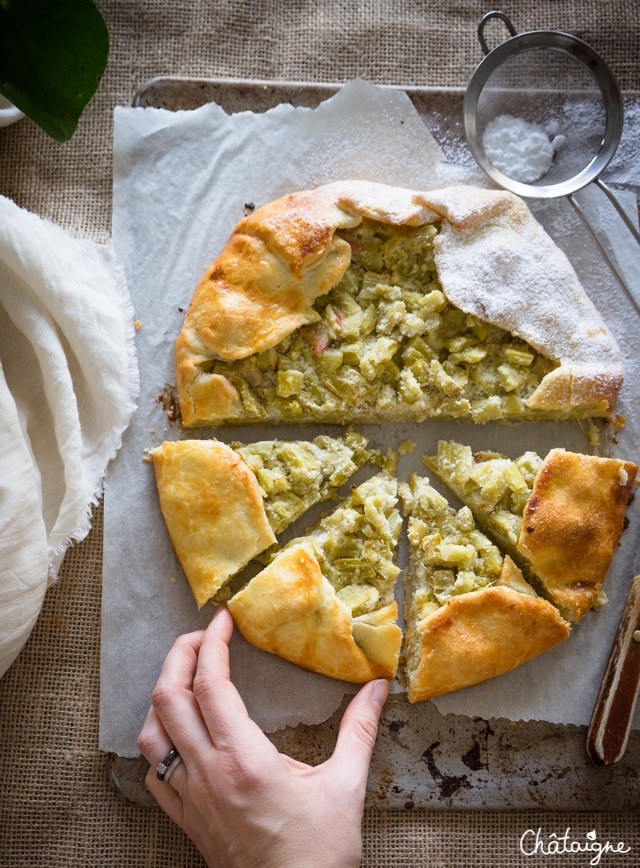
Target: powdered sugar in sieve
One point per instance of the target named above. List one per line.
(519, 148)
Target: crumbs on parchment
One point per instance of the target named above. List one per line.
(169, 402)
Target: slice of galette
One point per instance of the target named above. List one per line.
(469, 613)
(223, 506)
(326, 601)
(559, 518)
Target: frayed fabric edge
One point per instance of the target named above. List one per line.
(114, 439)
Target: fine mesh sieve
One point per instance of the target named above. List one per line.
(543, 117)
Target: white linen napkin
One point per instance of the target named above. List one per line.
(68, 386)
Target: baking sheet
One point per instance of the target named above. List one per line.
(143, 610)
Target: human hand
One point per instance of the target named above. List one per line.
(242, 802)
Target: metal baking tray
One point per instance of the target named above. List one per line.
(422, 758)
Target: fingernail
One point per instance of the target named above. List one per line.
(379, 692)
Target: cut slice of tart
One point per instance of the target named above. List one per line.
(560, 518)
(469, 613)
(326, 601)
(223, 506)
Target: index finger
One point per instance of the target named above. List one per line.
(221, 706)
(173, 699)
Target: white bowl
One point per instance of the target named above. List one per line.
(9, 114)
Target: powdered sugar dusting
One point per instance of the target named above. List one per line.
(625, 166)
(508, 271)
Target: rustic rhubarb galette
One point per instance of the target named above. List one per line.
(364, 302)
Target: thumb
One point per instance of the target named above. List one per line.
(358, 730)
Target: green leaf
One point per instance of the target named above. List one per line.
(52, 55)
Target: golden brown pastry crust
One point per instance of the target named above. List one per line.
(489, 255)
(214, 511)
(572, 525)
(479, 635)
(291, 610)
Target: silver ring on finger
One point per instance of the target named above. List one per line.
(169, 764)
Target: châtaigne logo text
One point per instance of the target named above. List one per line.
(535, 843)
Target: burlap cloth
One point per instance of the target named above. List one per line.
(56, 808)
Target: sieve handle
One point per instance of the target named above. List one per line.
(616, 204)
(618, 276)
(483, 22)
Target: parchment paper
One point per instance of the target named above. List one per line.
(181, 181)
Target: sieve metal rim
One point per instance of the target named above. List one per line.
(564, 43)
